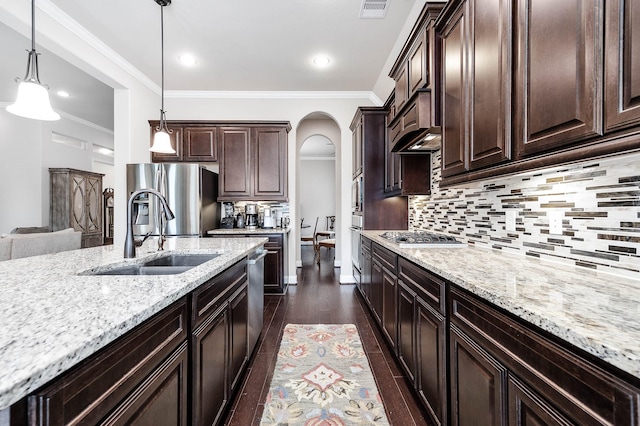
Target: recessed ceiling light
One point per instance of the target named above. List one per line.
(187, 59)
(321, 61)
(63, 94)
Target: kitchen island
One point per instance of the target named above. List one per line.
(56, 313)
(511, 334)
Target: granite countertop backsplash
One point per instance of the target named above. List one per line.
(596, 312)
(54, 316)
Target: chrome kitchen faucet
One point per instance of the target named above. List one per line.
(129, 242)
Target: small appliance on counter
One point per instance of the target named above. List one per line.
(269, 221)
(239, 221)
(251, 216)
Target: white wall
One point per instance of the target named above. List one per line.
(28, 153)
(317, 192)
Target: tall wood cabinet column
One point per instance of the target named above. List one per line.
(75, 201)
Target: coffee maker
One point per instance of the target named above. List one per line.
(269, 220)
(251, 216)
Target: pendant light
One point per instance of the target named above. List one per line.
(161, 139)
(33, 96)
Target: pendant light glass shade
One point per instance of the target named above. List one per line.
(162, 143)
(33, 102)
(33, 96)
(161, 139)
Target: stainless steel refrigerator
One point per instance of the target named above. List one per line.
(191, 191)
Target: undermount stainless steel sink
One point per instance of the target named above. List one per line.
(170, 264)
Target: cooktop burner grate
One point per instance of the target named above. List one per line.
(420, 239)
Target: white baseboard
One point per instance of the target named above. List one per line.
(347, 279)
(291, 279)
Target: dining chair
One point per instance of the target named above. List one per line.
(328, 243)
(311, 238)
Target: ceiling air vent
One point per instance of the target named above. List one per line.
(373, 9)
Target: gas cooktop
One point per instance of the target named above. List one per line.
(421, 239)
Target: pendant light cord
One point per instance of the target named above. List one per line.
(33, 24)
(162, 55)
(163, 122)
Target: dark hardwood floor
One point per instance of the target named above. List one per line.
(319, 298)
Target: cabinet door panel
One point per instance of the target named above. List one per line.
(94, 204)
(490, 71)
(526, 408)
(389, 306)
(161, 399)
(235, 176)
(406, 332)
(210, 365)
(200, 144)
(454, 134)
(239, 311)
(622, 64)
(418, 65)
(376, 290)
(432, 361)
(559, 97)
(401, 92)
(273, 273)
(477, 384)
(269, 156)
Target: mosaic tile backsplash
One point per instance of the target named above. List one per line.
(598, 200)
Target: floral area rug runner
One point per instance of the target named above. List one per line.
(322, 377)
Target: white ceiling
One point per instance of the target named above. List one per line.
(240, 45)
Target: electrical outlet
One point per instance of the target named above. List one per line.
(510, 220)
(555, 222)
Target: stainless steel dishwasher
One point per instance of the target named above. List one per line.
(255, 266)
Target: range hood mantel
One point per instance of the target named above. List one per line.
(414, 128)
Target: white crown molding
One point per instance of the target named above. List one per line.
(81, 32)
(211, 94)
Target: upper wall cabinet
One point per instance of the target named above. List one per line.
(531, 84)
(193, 141)
(558, 83)
(476, 99)
(253, 162)
(622, 64)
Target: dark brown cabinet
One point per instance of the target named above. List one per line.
(471, 363)
(253, 162)
(210, 344)
(275, 264)
(200, 144)
(158, 373)
(529, 84)
(422, 336)
(235, 170)
(75, 201)
(195, 142)
(476, 101)
(622, 64)
(492, 352)
(558, 74)
(378, 210)
(477, 384)
(144, 373)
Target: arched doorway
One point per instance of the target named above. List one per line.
(318, 153)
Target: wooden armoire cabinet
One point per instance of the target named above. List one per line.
(75, 201)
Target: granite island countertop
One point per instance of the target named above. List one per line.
(54, 316)
(596, 312)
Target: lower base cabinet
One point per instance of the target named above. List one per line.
(158, 374)
(473, 364)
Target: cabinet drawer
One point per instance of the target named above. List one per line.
(387, 258)
(574, 381)
(89, 392)
(213, 294)
(428, 287)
